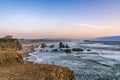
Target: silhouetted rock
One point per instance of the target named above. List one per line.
(67, 50)
(55, 50)
(77, 49)
(78, 56)
(86, 40)
(41, 50)
(43, 45)
(46, 50)
(61, 45)
(88, 50)
(67, 46)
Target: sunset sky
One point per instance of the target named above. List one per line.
(77, 19)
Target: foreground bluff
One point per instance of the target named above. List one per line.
(10, 43)
(12, 66)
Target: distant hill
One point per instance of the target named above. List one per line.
(108, 38)
(43, 40)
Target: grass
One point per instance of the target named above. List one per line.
(7, 40)
(35, 72)
(12, 67)
(9, 56)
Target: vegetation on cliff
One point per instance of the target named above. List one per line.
(13, 68)
(35, 72)
(10, 43)
(9, 57)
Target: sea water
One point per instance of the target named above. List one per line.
(100, 62)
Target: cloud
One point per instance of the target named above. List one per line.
(85, 25)
(88, 26)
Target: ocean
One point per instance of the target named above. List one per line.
(100, 60)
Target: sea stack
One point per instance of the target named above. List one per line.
(43, 45)
(67, 46)
(61, 45)
(77, 49)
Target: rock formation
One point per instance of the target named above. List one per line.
(67, 50)
(43, 45)
(55, 50)
(88, 49)
(77, 49)
(61, 45)
(12, 66)
(67, 46)
(10, 43)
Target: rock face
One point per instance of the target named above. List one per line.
(67, 50)
(61, 45)
(88, 50)
(86, 40)
(60, 48)
(55, 50)
(77, 49)
(10, 43)
(43, 45)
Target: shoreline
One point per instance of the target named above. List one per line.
(14, 67)
(29, 48)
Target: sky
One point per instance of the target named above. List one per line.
(76, 19)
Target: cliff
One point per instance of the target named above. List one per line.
(10, 43)
(10, 57)
(35, 72)
(12, 66)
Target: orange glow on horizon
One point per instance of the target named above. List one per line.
(74, 34)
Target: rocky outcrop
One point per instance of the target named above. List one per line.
(60, 48)
(86, 41)
(88, 49)
(43, 45)
(61, 45)
(67, 46)
(12, 67)
(55, 50)
(77, 49)
(10, 43)
(67, 50)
